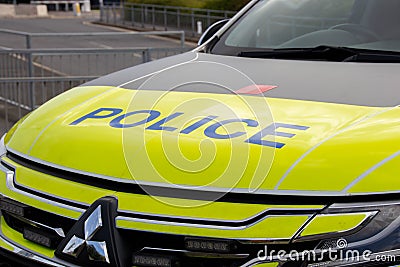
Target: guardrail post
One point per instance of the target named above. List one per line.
(114, 14)
(165, 19)
(30, 71)
(6, 109)
(142, 16)
(153, 19)
(31, 83)
(123, 14)
(178, 18)
(101, 13)
(28, 41)
(146, 55)
(133, 14)
(107, 15)
(208, 19)
(183, 39)
(193, 23)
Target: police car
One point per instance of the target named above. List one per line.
(274, 143)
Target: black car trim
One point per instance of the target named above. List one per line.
(210, 222)
(230, 197)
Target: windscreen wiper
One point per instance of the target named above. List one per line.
(326, 53)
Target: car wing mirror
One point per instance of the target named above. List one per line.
(213, 29)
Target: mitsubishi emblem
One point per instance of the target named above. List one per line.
(94, 239)
(97, 250)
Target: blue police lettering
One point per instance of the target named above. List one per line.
(96, 114)
(198, 124)
(211, 131)
(116, 123)
(271, 130)
(158, 126)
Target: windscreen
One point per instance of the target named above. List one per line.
(275, 24)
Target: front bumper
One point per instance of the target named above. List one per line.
(151, 239)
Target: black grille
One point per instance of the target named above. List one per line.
(39, 216)
(159, 244)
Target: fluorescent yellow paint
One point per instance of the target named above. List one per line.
(34, 202)
(6, 246)
(333, 223)
(10, 132)
(339, 161)
(129, 202)
(324, 120)
(22, 242)
(58, 187)
(279, 227)
(198, 209)
(88, 146)
(199, 161)
(26, 132)
(383, 179)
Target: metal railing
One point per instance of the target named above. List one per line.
(191, 20)
(16, 94)
(44, 73)
(30, 77)
(29, 37)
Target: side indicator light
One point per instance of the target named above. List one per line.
(13, 207)
(145, 260)
(213, 246)
(40, 237)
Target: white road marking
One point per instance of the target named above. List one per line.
(100, 45)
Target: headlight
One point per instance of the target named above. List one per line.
(3, 150)
(375, 241)
(360, 234)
